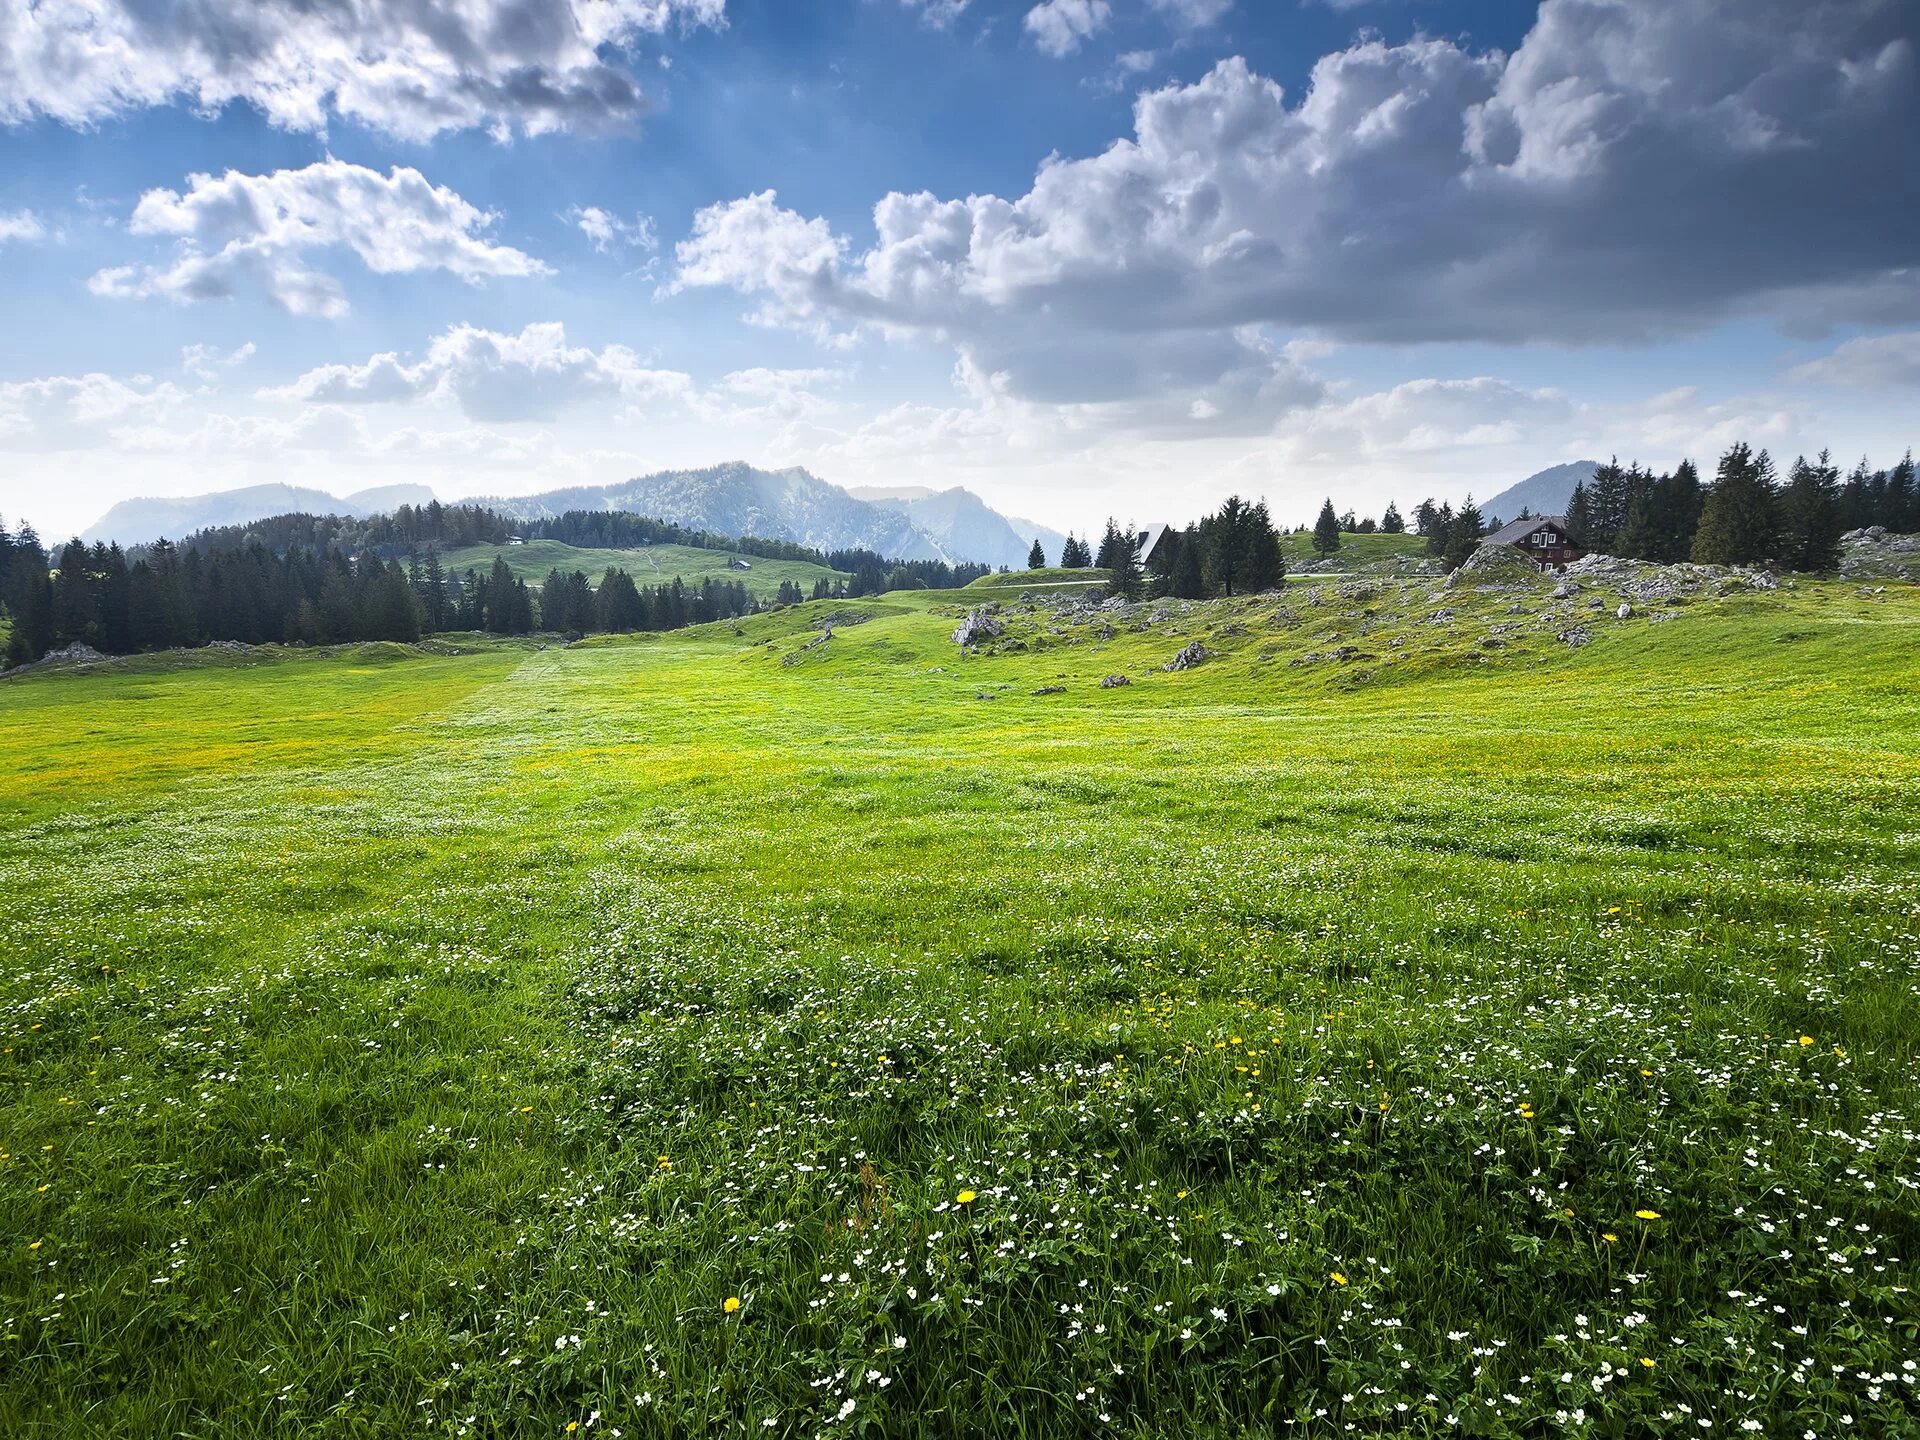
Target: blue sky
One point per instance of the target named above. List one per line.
(1082, 256)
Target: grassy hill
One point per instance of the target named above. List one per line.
(1437, 1012)
(1357, 553)
(648, 564)
(1051, 578)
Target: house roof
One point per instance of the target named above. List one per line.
(1149, 538)
(1514, 530)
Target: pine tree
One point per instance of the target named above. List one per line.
(1580, 516)
(1463, 535)
(1900, 505)
(1326, 530)
(1737, 523)
(1122, 566)
(1810, 519)
(1675, 508)
(1037, 556)
(1187, 579)
(1391, 522)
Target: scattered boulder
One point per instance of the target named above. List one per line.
(1576, 636)
(1114, 682)
(1191, 654)
(1624, 612)
(1495, 565)
(1051, 690)
(801, 654)
(979, 625)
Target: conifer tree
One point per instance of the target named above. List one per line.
(1122, 566)
(1326, 529)
(1391, 522)
(1037, 556)
(1737, 522)
(1809, 516)
(1463, 535)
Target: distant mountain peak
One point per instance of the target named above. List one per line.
(1545, 492)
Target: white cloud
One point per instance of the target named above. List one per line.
(21, 225)
(1059, 26)
(412, 68)
(1415, 192)
(937, 13)
(607, 230)
(496, 377)
(206, 361)
(64, 412)
(1193, 14)
(1870, 362)
(254, 231)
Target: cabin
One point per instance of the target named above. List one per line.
(736, 563)
(1543, 539)
(1148, 542)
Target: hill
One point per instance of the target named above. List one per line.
(1544, 493)
(695, 1029)
(1358, 554)
(649, 565)
(141, 521)
(963, 525)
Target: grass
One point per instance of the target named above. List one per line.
(1048, 578)
(648, 564)
(1357, 552)
(1457, 1031)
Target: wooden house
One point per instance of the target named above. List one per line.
(1543, 539)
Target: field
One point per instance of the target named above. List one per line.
(648, 564)
(1357, 553)
(1406, 1022)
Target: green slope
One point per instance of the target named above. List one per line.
(1373, 1026)
(649, 564)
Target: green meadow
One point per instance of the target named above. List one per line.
(1438, 1012)
(648, 564)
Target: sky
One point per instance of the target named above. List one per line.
(1084, 257)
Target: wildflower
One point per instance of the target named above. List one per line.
(1644, 1360)
(1610, 1237)
(966, 1197)
(730, 1304)
(1647, 1214)
(1806, 1039)
(1337, 1278)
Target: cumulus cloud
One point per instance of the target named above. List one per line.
(495, 377)
(412, 68)
(608, 231)
(237, 232)
(62, 412)
(1871, 362)
(21, 225)
(1636, 168)
(1059, 26)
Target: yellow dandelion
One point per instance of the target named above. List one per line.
(1610, 1238)
(1806, 1039)
(966, 1197)
(1646, 1362)
(1647, 1214)
(730, 1304)
(1337, 1277)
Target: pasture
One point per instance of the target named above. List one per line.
(694, 1035)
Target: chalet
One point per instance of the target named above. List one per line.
(736, 563)
(1543, 539)
(1152, 539)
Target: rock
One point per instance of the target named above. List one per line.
(1191, 654)
(1576, 636)
(979, 625)
(1114, 682)
(1495, 565)
(799, 655)
(1565, 590)
(1051, 690)
(1623, 612)
(1105, 632)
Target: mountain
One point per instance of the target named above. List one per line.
(1545, 493)
(961, 523)
(737, 499)
(137, 522)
